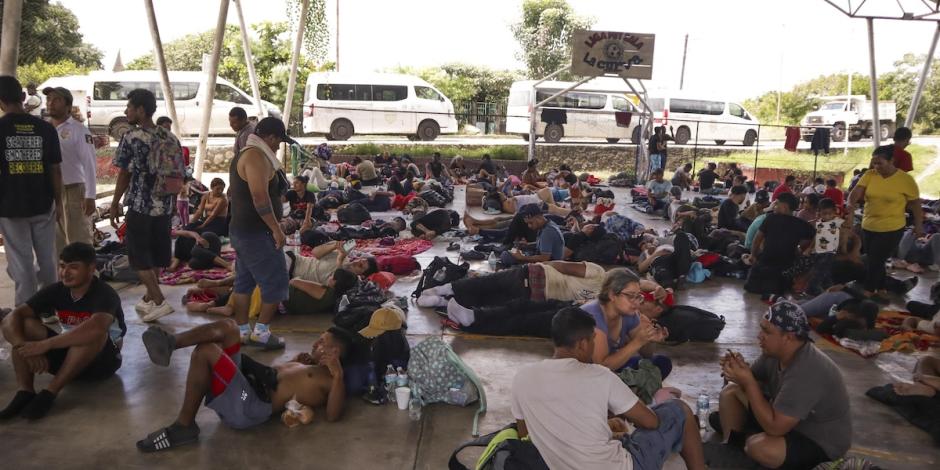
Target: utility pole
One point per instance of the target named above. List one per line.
(685, 50)
(337, 35)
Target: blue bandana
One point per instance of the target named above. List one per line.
(790, 318)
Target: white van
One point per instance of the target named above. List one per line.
(716, 120)
(340, 104)
(102, 97)
(588, 110)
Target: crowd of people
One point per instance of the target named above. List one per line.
(551, 240)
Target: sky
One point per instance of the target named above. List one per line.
(737, 48)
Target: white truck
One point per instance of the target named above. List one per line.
(850, 116)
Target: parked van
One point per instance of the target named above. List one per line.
(341, 104)
(587, 111)
(102, 97)
(716, 120)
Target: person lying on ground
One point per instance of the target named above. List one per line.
(552, 280)
(243, 392)
(326, 259)
(306, 297)
(198, 251)
(214, 297)
(301, 202)
(378, 201)
(499, 222)
(564, 404)
(790, 408)
(668, 264)
(212, 213)
(434, 223)
(89, 346)
(852, 318)
(926, 379)
(549, 243)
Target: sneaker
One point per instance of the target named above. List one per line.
(50, 319)
(143, 306)
(169, 437)
(156, 312)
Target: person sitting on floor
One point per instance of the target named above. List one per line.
(809, 207)
(781, 239)
(306, 297)
(458, 168)
(436, 170)
(243, 392)
(622, 336)
(198, 251)
(753, 211)
(532, 180)
(707, 177)
(667, 263)
(790, 408)
(549, 244)
(89, 346)
(682, 177)
(658, 190)
(366, 171)
(212, 213)
(434, 223)
(563, 405)
(728, 211)
(302, 202)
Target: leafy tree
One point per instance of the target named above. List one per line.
(50, 33)
(39, 71)
(466, 82)
(544, 33)
(805, 97)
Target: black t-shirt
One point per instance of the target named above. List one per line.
(100, 298)
(29, 147)
(706, 178)
(728, 216)
(439, 221)
(437, 169)
(782, 236)
(298, 204)
(488, 166)
(653, 145)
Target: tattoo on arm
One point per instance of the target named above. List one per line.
(264, 209)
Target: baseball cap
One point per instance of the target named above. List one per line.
(387, 318)
(762, 196)
(530, 210)
(61, 91)
(790, 318)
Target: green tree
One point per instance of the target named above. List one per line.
(804, 97)
(466, 82)
(544, 33)
(50, 33)
(39, 71)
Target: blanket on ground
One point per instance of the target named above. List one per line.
(187, 275)
(889, 322)
(374, 247)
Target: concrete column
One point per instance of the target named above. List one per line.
(924, 74)
(252, 76)
(294, 60)
(161, 65)
(10, 36)
(213, 73)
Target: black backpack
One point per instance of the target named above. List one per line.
(687, 323)
(353, 214)
(606, 250)
(433, 198)
(441, 271)
(509, 454)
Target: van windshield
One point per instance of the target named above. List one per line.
(834, 106)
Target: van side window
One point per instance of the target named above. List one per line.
(389, 92)
(184, 90)
(710, 108)
(620, 104)
(737, 111)
(227, 93)
(427, 93)
(519, 98)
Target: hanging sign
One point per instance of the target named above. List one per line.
(629, 55)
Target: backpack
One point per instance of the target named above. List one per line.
(688, 323)
(117, 268)
(439, 272)
(492, 202)
(416, 204)
(435, 369)
(706, 202)
(398, 264)
(607, 250)
(166, 162)
(353, 214)
(433, 198)
(504, 451)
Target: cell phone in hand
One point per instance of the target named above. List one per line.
(349, 245)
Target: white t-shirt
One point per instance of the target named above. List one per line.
(572, 288)
(526, 199)
(316, 270)
(564, 403)
(36, 102)
(827, 235)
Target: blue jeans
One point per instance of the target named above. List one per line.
(259, 263)
(651, 447)
(656, 161)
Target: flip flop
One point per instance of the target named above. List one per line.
(159, 345)
(271, 344)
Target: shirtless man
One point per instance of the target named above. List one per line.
(244, 393)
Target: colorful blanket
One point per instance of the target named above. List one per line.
(374, 247)
(898, 340)
(187, 275)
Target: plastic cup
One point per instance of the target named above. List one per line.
(402, 395)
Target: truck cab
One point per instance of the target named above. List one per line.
(849, 117)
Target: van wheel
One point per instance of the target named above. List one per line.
(635, 138)
(838, 132)
(554, 133)
(118, 128)
(683, 134)
(720, 142)
(750, 138)
(341, 129)
(428, 130)
(612, 140)
(886, 131)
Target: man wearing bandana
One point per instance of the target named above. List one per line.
(790, 409)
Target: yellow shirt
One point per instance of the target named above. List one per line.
(886, 200)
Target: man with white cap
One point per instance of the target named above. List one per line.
(790, 409)
(78, 168)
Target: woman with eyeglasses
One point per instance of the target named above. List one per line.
(623, 336)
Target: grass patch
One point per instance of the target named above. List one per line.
(499, 152)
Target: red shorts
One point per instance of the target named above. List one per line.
(224, 369)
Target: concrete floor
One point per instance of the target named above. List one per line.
(95, 425)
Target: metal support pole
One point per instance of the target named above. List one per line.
(695, 147)
(212, 74)
(161, 66)
(642, 151)
(252, 76)
(873, 79)
(535, 105)
(911, 113)
(10, 36)
(685, 50)
(756, 152)
(294, 60)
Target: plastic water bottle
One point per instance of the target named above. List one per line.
(702, 410)
(402, 379)
(492, 260)
(414, 404)
(391, 381)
